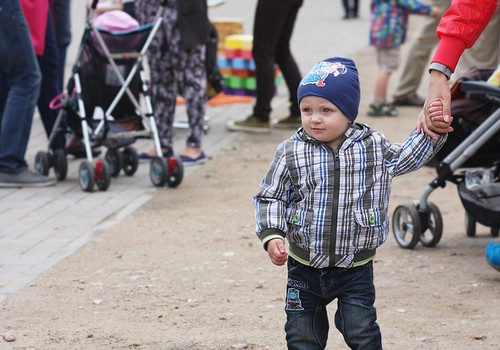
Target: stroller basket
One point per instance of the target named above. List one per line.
(482, 202)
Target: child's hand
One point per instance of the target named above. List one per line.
(436, 12)
(439, 122)
(436, 122)
(277, 252)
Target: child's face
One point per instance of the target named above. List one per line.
(322, 120)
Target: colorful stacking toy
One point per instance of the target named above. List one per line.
(238, 67)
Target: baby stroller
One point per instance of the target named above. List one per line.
(101, 107)
(475, 142)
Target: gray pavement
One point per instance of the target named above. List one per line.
(40, 227)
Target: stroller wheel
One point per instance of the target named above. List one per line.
(60, 164)
(86, 176)
(115, 161)
(130, 161)
(434, 226)
(102, 175)
(470, 225)
(42, 163)
(175, 172)
(406, 226)
(158, 171)
(495, 231)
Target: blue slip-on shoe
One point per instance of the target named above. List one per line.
(202, 158)
(492, 251)
(167, 153)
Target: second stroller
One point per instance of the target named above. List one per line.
(101, 106)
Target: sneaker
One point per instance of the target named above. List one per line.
(409, 100)
(493, 255)
(251, 124)
(291, 122)
(25, 178)
(383, 110)
(389, 110)
(202, 158)
(375, 110)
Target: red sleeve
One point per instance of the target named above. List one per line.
(460, 27)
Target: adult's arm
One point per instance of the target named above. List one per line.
(458, 29)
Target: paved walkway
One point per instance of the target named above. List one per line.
(41, 227)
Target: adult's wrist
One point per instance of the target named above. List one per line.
(439, 67)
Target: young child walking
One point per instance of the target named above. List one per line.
(387, 34)
(327, 193)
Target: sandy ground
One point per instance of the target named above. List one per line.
(187, 272)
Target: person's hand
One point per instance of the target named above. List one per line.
(277, 251)
(440, 122)
(436, 12)
(439, 90)
(437, 122)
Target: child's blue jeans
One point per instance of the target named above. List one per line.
(310, 290)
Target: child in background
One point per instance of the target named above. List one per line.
(327, 192)
(387, 33)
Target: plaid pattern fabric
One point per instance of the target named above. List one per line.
(389, 20)
(334, 203)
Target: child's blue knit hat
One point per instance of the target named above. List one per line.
(335, 79)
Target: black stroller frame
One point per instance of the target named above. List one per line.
(99, 172)
(421, 221)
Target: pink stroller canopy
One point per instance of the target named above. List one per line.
(115, 21)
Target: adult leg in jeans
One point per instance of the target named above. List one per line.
(19, 87)
(273, 27)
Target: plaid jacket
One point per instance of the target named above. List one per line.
(332, 205)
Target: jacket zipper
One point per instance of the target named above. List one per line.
(336, 190)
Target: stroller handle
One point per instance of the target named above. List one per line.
(94, 4)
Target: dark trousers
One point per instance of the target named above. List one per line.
(273, 27)
(351, 8)
(49, 67)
